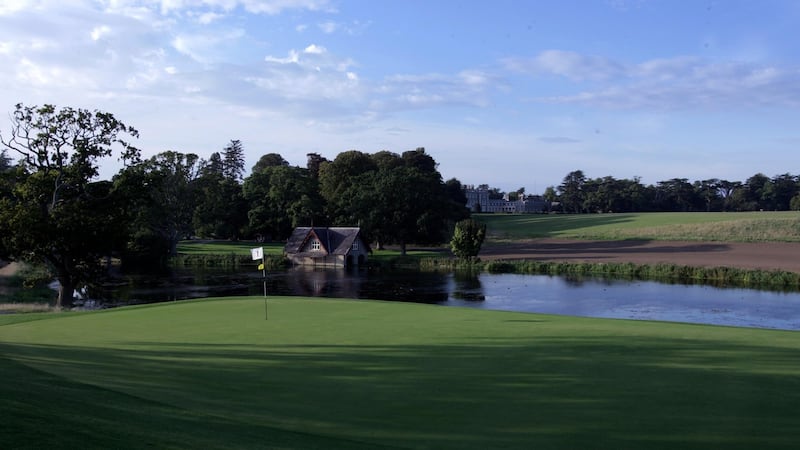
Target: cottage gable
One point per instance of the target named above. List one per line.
(322, 246)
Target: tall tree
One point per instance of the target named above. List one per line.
(161, 195)
(315, 161)
(56, 214)
(233, 161)
(281, 198)
(214, 165)
(220, 208)
(571, 191)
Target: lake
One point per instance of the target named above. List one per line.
(586, 297)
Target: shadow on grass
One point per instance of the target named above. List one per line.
(553, 392)
(546, 226)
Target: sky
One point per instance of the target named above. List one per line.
(506, 93)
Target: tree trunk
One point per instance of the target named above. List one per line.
(403, 248)
(66, 292)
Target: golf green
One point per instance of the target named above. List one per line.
(314, 373)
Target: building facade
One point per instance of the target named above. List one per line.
(478, 201)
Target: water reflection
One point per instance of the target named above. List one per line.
(467, 286)
(591, 297)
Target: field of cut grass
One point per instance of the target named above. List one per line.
(227, 247)
(729, 227)
(335, 374)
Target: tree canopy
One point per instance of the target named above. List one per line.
(56, 213)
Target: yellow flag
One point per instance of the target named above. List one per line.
(261, 266)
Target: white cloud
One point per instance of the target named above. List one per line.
(567, 64)
(206, 47)
(209, 17)
(328, 27)
(100, 31)
(664, 83)
(292, 58)
(314, 49)
(12, 6)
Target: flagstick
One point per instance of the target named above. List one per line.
(264, 275)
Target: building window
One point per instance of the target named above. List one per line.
(315, 245)
(355, 245)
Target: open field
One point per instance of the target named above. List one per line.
(757, 241)
(364, 374)
(727, 227)
(203, 247)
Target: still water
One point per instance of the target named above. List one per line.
(588, 297)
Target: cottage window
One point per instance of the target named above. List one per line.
(315, 245)
(355, 245)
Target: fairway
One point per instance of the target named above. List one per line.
(368, 374)
(731, 227)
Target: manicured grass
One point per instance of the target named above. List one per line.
(227, 247)
(363, 374)
(731, 227)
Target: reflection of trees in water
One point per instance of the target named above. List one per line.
(467, 286)
(316, 282)
(406, 286)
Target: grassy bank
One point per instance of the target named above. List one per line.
(671, 273)
(727, 227)
(347, 374)
(227, 254)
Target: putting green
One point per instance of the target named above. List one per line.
(364, 374)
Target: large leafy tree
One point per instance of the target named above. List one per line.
(281, 198)
(398, 199)
(56, 213)
(160, 193)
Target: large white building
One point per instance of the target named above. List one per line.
(478, 201)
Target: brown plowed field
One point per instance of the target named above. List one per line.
(767, 255)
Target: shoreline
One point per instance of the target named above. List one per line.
(783, 256)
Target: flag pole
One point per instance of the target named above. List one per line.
(258, 253)
(264, 276)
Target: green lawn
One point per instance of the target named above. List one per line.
(733, 227)
(334, 374)
(227, 247)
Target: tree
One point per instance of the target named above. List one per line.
(5, 161)
(214, 165)
(571, 192)
(161, 197)
(220, 208)
(315, 161)
(339, 185)
(396, 199)
(468, 238)
(550, 196)
(677, 195)
(233, 161)
(56, 213)
(281, 198)
(269, 160)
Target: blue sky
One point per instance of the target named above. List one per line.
(508, 93)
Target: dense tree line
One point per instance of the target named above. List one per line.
(53, 211)
(580, 194)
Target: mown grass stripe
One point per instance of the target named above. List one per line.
(332, 373)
